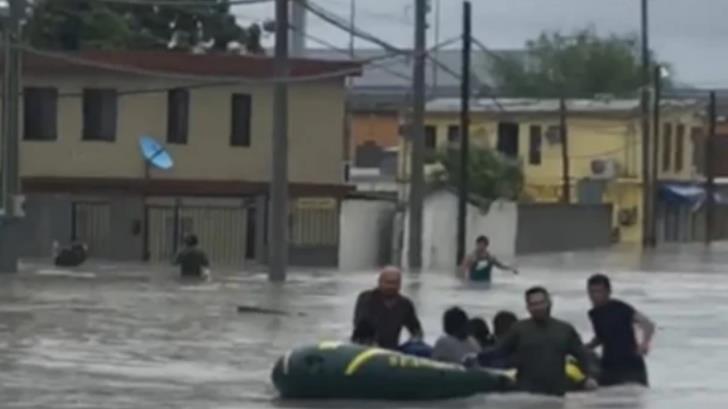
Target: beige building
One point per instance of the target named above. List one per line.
(81, 121)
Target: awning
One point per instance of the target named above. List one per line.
(690, 195)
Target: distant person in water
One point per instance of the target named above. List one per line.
(613, 322)
(387, 310)
(192, 261)
(478, 265)
(72, 256)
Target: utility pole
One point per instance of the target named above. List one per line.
(464, 132)
(656, 128)
(645, 117)
(11, 146)
(565, 165)
(278, 237)
(710, 171)
(298, 35)
(352, 26)
(417, 136)
(435, 68)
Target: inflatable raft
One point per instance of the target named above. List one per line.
(333, 370)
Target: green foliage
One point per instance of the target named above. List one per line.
(491, 175)
(579, 65)
(72, 25)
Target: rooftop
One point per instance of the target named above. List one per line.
(180, 63)
(532, 105)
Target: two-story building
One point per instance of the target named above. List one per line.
(85, 178)
(604, 147)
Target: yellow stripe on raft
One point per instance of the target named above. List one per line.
(364, 357)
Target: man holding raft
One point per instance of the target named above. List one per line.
(539, 347)
(387, 311)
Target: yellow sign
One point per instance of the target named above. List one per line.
(316, 203)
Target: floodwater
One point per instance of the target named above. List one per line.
(134, 337)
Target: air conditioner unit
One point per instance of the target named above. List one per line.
(604, 169)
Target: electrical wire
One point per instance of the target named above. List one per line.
(342, 24)
(346, 52)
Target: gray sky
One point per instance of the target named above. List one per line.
(692, 35)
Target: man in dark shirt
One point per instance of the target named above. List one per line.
(192, 260)
(539, 346)
(387, 310)
(613, 322)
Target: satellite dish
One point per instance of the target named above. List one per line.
(154, 153)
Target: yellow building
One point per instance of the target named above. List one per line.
(604, 147)
(81, 121)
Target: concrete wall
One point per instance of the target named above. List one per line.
(366, 233)
(315, 140)
(439, 246)
(552, 227)
(47, 218)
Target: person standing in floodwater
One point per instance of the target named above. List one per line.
(613, 322)
(387, 310)
(191, 260)
(539, 347)
(478, 265)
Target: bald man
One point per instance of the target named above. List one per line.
(387, 310)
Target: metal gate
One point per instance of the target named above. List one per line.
(314, 232)
(92, 225)
(222, 232)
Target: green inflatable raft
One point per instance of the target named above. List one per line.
(333, 370)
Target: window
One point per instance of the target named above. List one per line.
(241, 110)
(696, 135)
(666, 147)
(99, 114)
(534, 150)
(40, 114)
(679, 147)
(430, 137)
(178, 108)
(508, 139)
(453, 133)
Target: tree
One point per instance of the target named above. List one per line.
(491, 175)
(72, 25)
(579, 65)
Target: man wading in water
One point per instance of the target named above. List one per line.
(614, 322)
(387, 310)
(539, 346)
(192, 261)
(479, 265)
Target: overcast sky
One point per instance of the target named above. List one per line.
(692, 35)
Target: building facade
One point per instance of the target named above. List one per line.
(604, 148)
(85, 178)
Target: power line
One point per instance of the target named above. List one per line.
(341, 23)
(333, 47)
(376, 14)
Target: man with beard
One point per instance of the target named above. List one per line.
(538, 346)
